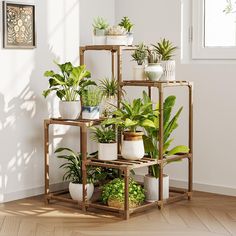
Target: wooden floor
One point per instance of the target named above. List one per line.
(206, 214)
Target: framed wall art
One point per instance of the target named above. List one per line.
(18, 25)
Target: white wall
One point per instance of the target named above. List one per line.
(214, 98)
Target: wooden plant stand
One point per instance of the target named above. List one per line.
(121, 164)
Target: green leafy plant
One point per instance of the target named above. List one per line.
(165, 49)
(132, 115)
(114, 191)
(100, 23)
(73, 166)
(170, 124)
(126, 23)
(152, 56)
(230, 7)
(140, 54)
(108, 87)
(69, 83)
(92, 97)
(103, 134)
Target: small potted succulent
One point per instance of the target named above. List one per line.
(69, 84)
(139, 56)
(151, 181)
(130, 118)
(113, 194)
(116, 35)
(128, 25)
(109, 89)
(73, 173)
(153, 70)
(106, 139)
(91, 100)
(100, 27)
(165, 49)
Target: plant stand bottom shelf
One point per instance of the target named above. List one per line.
(90, 206)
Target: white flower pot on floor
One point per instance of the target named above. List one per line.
(107, 151)
(76, 191)
(151, 186)
(132, 146)
(90, 113)
(138, 72)
(69, 110)
(168, 70)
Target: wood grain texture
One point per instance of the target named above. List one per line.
(206, 214)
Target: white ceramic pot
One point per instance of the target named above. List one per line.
(168, 70)
(153, 71)
(108, 105)
(99, 32)
(76, 191)
(69, 110)
(99, 40)
(116, 40)
(90, 113)
(138, 72)
(132, 146)
(130, 38)
(107, 151)
(151, 187)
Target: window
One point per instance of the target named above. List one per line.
(213, 32)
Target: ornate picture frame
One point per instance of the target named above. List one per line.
(19, 25)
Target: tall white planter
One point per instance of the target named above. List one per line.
(132, 146)
(168, 70)
(69, 110)
(76, 191)
(130, 38)
(138, 72)
(107, 151)
(151, 186)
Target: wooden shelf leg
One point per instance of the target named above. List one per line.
(46, 160)
(126, 203)
(113, 54)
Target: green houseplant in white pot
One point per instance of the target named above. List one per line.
(151, 181)
(130, 118)
(153, 70)
(116, 35)
(68, 86)
(106, 139)
(73, 173)
(165, 49)
(139, 56)
(91, 100)
(128, 25)
(100, 26)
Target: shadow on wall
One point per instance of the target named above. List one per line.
(21, 120)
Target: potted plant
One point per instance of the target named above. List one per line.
(109, 89)
(153, 70)
(91, 99)
(139, 56)
(100, 27)
(128, 25)
(68, 85)
(165, 49)
(129, 118)
(151, 181)
(73, 173)
(113, 194)
(106, 139)
(116, 35)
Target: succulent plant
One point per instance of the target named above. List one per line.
(140, 54)
(165, 49)
(116, 30)
(126, 23)
(152, 56)
(100, 23)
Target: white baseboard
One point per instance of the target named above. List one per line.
(7, 197)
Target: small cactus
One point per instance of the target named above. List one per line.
(116, 30)
(153, 56)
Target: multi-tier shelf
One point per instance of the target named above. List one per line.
(125, 166)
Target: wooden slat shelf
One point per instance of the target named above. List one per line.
(107, 48)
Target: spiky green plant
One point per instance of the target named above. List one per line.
(140, 54)
(92, 97)
(100, 23)
(165, 49)
(103, 134)
(126, 23)
(108, 87)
